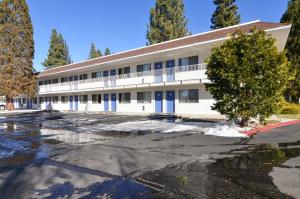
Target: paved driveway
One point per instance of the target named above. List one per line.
(82, 156)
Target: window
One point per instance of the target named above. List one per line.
(64, 79)
(189, 96)
(144, 97)
(64, 99)
(83, 77)
(83, 99)
(41, 100)
(125, 70)
(96, 99)
(188, 61)
(34, 100)
(96, 75)
(70, 78)
(41, 83)
(143, 69)
(124, 98)
(54, 81)
(55, 99)
(47, 82)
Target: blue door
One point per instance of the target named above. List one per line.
(113, 102)
(71, 102)
(106, 103)
(158, 101)
(50, 103)
(113, 77)
(170, 65)
(76, 102)
(158, 71)
(170, 101)
(30, 103)
(105, 75)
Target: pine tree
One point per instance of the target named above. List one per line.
(225, 14)
(16, 51)
(248, 76)
(107, 51)
(94, 53)
(58, 54)
(99, 53)
(167, 21)
(292, 15)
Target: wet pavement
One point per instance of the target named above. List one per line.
(80, 155)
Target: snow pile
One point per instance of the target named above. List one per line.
(180, 127)
(225, 131)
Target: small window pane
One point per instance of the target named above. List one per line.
(189, 96)
(127, 70)
(124, 98)
(144, 97)
(55, 99)
(96, 99)
(41, 100)
(193, 60)
(83, 99)
(64, 99)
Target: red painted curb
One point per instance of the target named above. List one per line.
(270, 127)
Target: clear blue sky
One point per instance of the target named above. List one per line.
(121, 24)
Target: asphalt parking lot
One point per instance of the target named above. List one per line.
(80, 155)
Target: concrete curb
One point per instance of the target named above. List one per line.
(270, 127)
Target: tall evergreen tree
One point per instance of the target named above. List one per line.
(107, 51)
(292, 15)
(94, 53)
(58, 54)
(225, 14)
(167, 21)
(99, 53)
(16, 51)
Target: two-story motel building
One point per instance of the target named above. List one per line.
(163, 78)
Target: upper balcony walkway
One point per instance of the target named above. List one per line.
(191, 74)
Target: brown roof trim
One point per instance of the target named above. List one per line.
(193, 39)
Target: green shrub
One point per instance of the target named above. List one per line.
(290, 108)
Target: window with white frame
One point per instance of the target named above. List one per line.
(54, 81)
(55, 99)
(189, 96)
(124, 98)
(96, 75)
(83, 76)
(64, 99)
(41, 100)
(186, 61)
(143, 69)
(64, 79)
(143, 97)
(83, 99)
(96, 98)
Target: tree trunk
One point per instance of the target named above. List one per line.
(10, 104)
(245, 121)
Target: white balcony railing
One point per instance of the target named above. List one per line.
(189, 72)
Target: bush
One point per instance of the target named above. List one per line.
(290, 108)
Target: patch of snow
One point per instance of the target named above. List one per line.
(225, 131)
(180, 127)
(67, 136)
